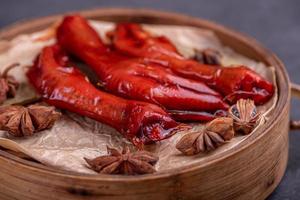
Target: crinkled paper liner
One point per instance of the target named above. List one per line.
(74, 137)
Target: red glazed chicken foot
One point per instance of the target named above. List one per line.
(193, 116)
(65, 87)
(136, 78)
(233, 82)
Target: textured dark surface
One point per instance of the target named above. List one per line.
(275, 23)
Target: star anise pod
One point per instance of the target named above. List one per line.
(215, 133)
(125, 162)
(8, 84)
(245, 115)
(24, 121)
(294, 124)
(208, 56)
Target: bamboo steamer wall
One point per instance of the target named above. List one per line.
(250, 170)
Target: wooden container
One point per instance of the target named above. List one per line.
(250, 170)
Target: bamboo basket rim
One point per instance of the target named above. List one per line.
(142, 15)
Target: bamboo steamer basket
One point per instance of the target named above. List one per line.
(250, 170)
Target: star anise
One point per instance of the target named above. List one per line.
(208, 56)
(245, 115)
(215, 133)
(294, 124)
(24, 121)
(125, 162)
(8, 84)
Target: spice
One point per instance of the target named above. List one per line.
(215, 133)
(245, 115)
(24, 121)
(208, 56)
(294, 124)
(125, 162)
(8, 84)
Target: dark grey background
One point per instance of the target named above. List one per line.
(275, 23)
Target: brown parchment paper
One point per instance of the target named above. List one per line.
(74, 137)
